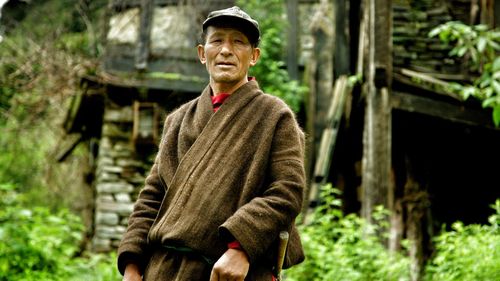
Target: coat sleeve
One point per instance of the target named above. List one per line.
(133, 246)
(256, 224)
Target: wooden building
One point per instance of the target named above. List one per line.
(398, 139)
(395, 139)
(149, 68)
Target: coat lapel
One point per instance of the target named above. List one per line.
(209, 125)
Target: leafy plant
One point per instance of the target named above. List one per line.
(481, 46)
(468, 252)
(346, 247)
(37, 244)
(270, 70)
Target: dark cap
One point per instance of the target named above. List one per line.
(234, 17)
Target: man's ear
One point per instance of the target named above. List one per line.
(201, 54)
(255, 56)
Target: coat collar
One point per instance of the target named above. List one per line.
(235, 102)
(210, 125)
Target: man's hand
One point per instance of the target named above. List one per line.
(132, 273)
(232, 266)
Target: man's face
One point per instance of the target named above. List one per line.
(228, 55)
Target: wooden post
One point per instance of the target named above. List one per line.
(293, 38)
(488, 12)
(376, 179)
(142, 51)
(497, 13)
(320, 80)
(416, 201)
(342, 52)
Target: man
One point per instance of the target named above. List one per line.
(228, 176)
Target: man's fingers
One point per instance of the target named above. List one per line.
(214, 276)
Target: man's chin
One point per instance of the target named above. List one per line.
(224, 79)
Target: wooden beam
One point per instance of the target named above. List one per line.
(444, 110)
(179, 83)
(67, 145)
(441, 87)
(142, 51)
(376, 161)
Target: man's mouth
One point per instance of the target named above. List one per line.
(225, 64)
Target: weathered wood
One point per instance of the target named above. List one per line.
(397, 224)
(320, 73)
(162, 81)
(382, 42)
(146, 127)
(440, 109)
(443, 86)
(376, 160)
(340, 92)
(293, 39)
(363, 35)
(488, 12)
(497, 13)
(417, 202)
(67, 145)
(70, 122)
(342, 51)
(142, 51)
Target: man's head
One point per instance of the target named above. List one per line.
(235, 18)
(229, 48)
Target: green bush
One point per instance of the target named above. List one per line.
(270, 71)
(345, 247)
(468, 252)
(37, 244)
(481, 46)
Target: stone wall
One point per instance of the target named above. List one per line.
(413, 20)
(120, 174)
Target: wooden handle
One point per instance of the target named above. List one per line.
(283, 243)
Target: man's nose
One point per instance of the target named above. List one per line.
(226, 48)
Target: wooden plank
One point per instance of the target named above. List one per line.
(329, 136)
(452, 112)
(442, 85)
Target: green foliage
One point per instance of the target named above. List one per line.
(21, 162)
(270, 70)
(482, 46)
(41, 60)
(345, 247)
(468, 252)
(37, 244)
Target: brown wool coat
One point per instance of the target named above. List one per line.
(234, 174)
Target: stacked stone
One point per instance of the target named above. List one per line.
(119, 177)
(412, 46)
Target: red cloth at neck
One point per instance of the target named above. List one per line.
(218, 100)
